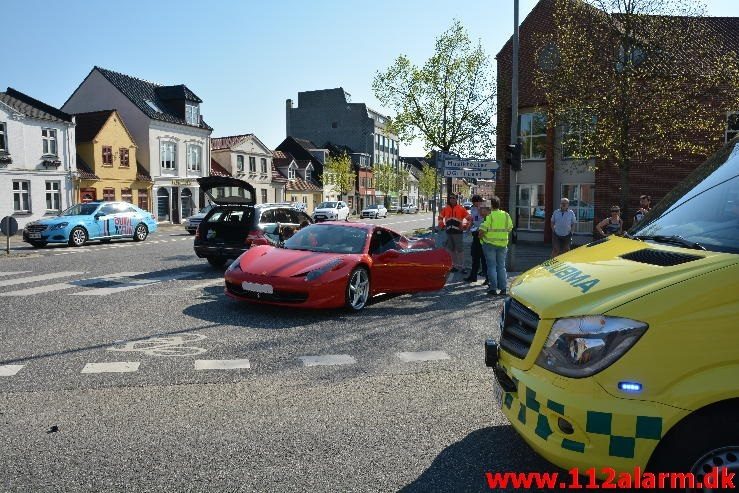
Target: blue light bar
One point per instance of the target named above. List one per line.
(629, 386)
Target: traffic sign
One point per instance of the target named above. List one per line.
(481, 174)
(8, 225)
(471, 164)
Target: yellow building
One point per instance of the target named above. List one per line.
(106, 161)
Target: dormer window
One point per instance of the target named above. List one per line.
(192, 114)
(308, 172)
(291, 171)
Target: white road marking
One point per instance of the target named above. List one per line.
(10, 273)
(409, 357)
(9, 370)
(327, 360)
(48, 288)
(206, 284)
(221, 364)
(43, 277)
(118, 367)
(132, 284)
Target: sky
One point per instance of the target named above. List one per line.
(243, 58)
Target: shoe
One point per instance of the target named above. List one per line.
(503, 294)
(470, 279)
(492, 292)
(485, 283)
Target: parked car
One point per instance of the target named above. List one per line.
(301, 206)
(331, 211)
(373, 211)
(332, 265)
(394, 207)
(236, 223)
(191, 223)
(409, 209)
(104, 221)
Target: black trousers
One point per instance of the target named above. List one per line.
(477, 256)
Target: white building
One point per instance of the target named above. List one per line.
(37, 156)
(247, 158)
(173, 139)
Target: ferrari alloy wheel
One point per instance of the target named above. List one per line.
(357, 291)
(141, 233)
(78, 237)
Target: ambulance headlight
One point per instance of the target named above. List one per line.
(578, 347)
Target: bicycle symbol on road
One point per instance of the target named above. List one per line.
(164, 346)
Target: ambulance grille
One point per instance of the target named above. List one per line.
(519, 329)
(659, 257)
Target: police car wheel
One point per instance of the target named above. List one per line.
(698, 444)
(77, 237)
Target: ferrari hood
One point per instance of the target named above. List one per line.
(281, 262)
(595, 279)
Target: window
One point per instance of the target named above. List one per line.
(123, 152)
(252, 164)
(168, 155)
(3, 138)
(582, 200)
(194, 156)
(48, 136)
(308, 173)
(533, 128)
(107, 156)
(144, 199)
(264, 165)
(732, 125)
(108, 194)
(291, 173)
(264, 195)
(127, 195)
(240, 163)
(573, 132)
(153, 106)
(21, 196)
(53, 196)
(192, 114)
(531, 213)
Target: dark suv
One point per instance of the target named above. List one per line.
(236, 222)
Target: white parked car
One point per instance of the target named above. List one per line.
(373, 211)
(331, 211)
(192, 222)
(409, 209)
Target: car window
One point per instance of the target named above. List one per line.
(382, 241)
(267, 216)
(303, 217)
(282, 216)
(109, 209)
(294, 216)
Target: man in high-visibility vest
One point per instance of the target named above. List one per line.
(494, 233)
(455, 220)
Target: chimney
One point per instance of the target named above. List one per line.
(288, 107)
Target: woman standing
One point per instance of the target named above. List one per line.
(611, 225)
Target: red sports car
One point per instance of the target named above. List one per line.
(331, 265)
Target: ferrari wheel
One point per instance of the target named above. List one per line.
(141, 233)
(358, 288)
(77, 237)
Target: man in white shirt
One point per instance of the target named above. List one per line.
(563, 225)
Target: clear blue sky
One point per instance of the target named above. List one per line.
(242, 57)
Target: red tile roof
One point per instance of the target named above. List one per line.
(84, 171)
(226, 142)
(277, 177)
(141, 173)
(217, 170)
(300, 185)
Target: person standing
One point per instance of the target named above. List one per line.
(563, 225)
(645, 204)
(455, 220)
(613, 225)
(476, 249)
(494, 232)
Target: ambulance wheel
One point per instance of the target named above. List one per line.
(709, 438)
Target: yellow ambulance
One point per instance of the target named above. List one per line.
(624, 353)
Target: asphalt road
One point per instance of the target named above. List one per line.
(123, 367)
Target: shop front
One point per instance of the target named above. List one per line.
(176, 200)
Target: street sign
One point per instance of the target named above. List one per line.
(9, 226)
(481, 174)
(471, 164)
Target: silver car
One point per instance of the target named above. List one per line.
(409, 209)
(192, 222)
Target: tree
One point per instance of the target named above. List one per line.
(449, 102)
(635, 80)
(338, 171)
(427, 181)
(386, 180)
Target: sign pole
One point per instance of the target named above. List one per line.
(7, 235)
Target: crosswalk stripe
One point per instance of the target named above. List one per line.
(117, 367)
(14, 272)
(222, 364)
(133, 284)
(206, 284)
(408, 357)
(9, 370)
(42, 277)
(48, 288)
(327, 360)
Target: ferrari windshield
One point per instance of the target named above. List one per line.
(703, 211)
(326, 205)
(328, 239)
(80, 210)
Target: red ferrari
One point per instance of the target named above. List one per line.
(332, 264)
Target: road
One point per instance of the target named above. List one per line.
(123, 367)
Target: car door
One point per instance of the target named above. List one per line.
(343, 211)
(392, 268)
(105, 221)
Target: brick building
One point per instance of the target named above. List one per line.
(547, 176)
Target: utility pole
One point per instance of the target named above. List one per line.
(513, 183)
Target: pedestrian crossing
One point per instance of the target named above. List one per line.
(127, 244)
(21, 284)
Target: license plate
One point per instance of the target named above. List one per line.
(498, 393)
(257, 288)
(34, 235)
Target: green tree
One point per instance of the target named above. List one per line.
(386, 180)
(427, 181)
(449, 102)
(338, 171)
(636, 80)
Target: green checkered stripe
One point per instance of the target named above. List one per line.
(619, 438)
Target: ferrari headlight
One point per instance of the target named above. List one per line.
(578, 347)
(329, 266)
(235, 265)
(58, 226)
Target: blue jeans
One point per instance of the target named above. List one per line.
(495, 257)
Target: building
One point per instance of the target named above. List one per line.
(247, 158)
(37, 158)
(106, 161)
(547, 175)
(173, 140)
(300, 183)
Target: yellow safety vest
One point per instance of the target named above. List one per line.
(495, 228)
